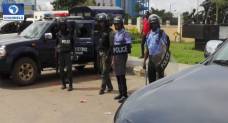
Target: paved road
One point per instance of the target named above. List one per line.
(45, 102)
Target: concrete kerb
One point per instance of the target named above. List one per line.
(134, 66)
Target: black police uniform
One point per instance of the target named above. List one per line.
(105, 51)
(65, 45)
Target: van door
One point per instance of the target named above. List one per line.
(84, 43)
(48, 57)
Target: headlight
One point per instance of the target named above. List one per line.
(2, 51)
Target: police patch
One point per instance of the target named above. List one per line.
(121, 49)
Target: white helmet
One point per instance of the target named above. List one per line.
(154, 18)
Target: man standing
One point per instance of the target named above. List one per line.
(105, 42)
(157, 49)
(65, 46)
(122, 41)
(145, 31)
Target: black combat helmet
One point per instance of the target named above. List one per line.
(63, 25)
(104, 17)
(154, 19)
(118, 20)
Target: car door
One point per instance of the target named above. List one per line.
(84, 43)
(47, 53)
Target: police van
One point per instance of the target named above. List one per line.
(24, 56)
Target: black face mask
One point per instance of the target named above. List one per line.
(118, 27)
(63, 29)
(154, 26)
(102, 25)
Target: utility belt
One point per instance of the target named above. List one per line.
(121, 49)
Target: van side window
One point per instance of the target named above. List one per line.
(53, 30)
(84, 30)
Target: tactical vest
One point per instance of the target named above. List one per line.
(64, 43)
(122, 48)
(105, 41)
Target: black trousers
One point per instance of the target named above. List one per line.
(152, 72)
(143, 45)
(65, 66)
(105, 71)
(122, 85)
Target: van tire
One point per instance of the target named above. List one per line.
(25, 71)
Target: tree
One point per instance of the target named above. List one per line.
(219, 5)
(137, 8)
(90, 2)
(164, 15)
(186, 16)
(66, 4)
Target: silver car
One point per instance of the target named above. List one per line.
(196, 95)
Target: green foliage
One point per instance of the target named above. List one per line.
(90, 2)
(66, 4)
(165, 16)
(181, 52)
(220, 3)
(219, 6)
(186, 16)
(135, 35)
(185, 53)
(137, 8)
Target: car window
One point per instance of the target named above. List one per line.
(10, 27)
(84, 30)
(222, 54)
(53, 30)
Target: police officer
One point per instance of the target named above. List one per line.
(157, 45)
(105, 50)
(65, 45)
(122, 45)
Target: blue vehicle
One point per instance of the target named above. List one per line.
(91, 11)
(24, 56)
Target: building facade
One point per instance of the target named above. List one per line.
(130, 6)
(106, 2)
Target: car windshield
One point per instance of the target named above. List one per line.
(36, 29)
(221, 57)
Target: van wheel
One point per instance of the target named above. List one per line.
(25, 71)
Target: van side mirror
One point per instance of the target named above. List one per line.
(211, 47)
(48, 36)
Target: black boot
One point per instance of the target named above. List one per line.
(110, 87)
(118, 97)
(124, 86)
(70, 87)
(63, 87)
(119, 87)
(101, 92)
(122, 100)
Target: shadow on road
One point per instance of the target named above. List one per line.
(52, 79)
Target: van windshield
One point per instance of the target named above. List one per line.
(35, 30)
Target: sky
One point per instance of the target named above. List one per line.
(176, 6)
